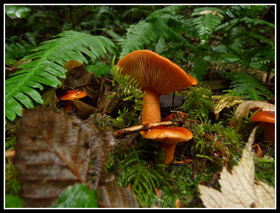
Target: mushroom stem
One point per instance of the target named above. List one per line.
(151, 108)
(169, 150)
(269, 132)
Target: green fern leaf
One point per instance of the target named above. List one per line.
(160, 25)
(46, 67)
(137, 36)
(17, 50)
(249, 86)
(206, 22)
(199, 69)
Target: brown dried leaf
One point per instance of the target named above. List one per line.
(53, 152)
(85, 110)
(113, 196)
(79, 78)
(238, 188)
(71, 64)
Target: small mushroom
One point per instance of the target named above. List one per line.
(267, 121)
(168, 138)
(69, 97)
(156, 76)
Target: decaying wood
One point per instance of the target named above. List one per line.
(142, 127)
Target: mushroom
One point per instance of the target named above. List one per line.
(168, 138)
(157, 76)
(267, 121)
(70, 96)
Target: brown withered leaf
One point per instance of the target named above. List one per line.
(113, 196)
(53, 152)
(84, 109)
(79, 78)
(71, 64)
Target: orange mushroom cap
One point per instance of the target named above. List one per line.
(155, 72)
(168, 135)
(264, 116)
(73, 94)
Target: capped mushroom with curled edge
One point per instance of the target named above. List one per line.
(70, 96)
(156, 76)
(168, 138)
(267, 121)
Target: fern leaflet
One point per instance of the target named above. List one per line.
(206, 22)
(248, 85)
(46, 66)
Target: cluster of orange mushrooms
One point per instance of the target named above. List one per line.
(157, 76)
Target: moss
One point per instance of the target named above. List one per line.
(198, 103)
(265, 169)
(12, 185)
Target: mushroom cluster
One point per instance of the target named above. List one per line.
(157, 76)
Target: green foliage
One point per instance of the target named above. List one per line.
(160, 26)
(16, 11)
(12, 201)
(265, 169)
(206, 22)
(199, 69)
(136, 170)
(130, 95)
(249, 86)
(17, 50)
(10, 142)
(128, 87)
(198, 103)
(77, 196)
(224, 140)
(11, 183)
(99, 69)
(183, 186)
(46, 66)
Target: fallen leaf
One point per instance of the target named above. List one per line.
(111, 195)
(71, 64)
(78, 77)
(84, 109)
(238, 188)
(225, 102)
(54, 151)
(244, 108)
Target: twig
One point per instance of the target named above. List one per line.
(141, 127)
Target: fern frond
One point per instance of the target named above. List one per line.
(199, 69)
(17, 50)
(137, 36)
(248, 85)
(128, 86)
(46, 67)
(160, 25)
(206, 22)
(142, 177)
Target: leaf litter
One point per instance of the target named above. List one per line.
(238, 187)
